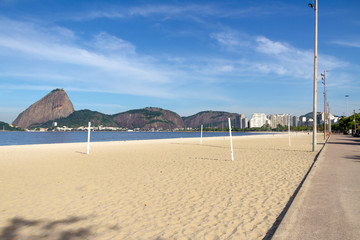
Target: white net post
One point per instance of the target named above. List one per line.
(88, 141)
(231, 144)
(289, 131)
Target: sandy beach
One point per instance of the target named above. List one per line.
(156, 189)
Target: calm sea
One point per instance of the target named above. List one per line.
(24, 138)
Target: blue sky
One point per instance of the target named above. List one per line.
(186, 56)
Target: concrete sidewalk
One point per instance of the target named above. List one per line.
(328, 204)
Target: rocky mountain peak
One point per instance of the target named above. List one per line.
(54, 105)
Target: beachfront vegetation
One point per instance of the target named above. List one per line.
(347, 123)
(7, 127)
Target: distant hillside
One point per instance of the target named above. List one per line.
(6, 127)
(57, 107)
(81, 118)
(148, 118)
(215, 119)
(54, 105)
(310, 115)
(144, 119)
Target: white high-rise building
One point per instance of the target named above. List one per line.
(258, 120)
(295, 121)
(279, 119)
(245, 122)
(241, 121)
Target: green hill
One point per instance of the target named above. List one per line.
(149, 118)
(6, 127)
(80, 118)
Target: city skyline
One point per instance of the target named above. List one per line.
(187, 57)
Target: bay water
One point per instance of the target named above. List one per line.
(25, 138)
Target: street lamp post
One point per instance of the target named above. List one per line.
(347, 97)
(323, 77)
(315, 7)
(354, 123)
(329, 117)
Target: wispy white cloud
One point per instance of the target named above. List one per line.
(168, 10)
(103, 64)
(110, 44)
(263, 55)
(284, 59)
(160, 11)
(105, 14)
(355, 44)
(265, 45)
(232, 40)
(190, 11)
(109, 64)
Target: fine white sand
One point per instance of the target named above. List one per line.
(158, 189)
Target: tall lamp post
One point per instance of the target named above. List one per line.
(323, 77)
(329, 117)
(347, 97)
(315, 7)
(354, 123)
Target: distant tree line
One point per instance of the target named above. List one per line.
(347, 123)
(6, 127)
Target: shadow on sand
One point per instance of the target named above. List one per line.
(81, 152)
(46, 229)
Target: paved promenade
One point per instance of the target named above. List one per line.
(328, 204)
